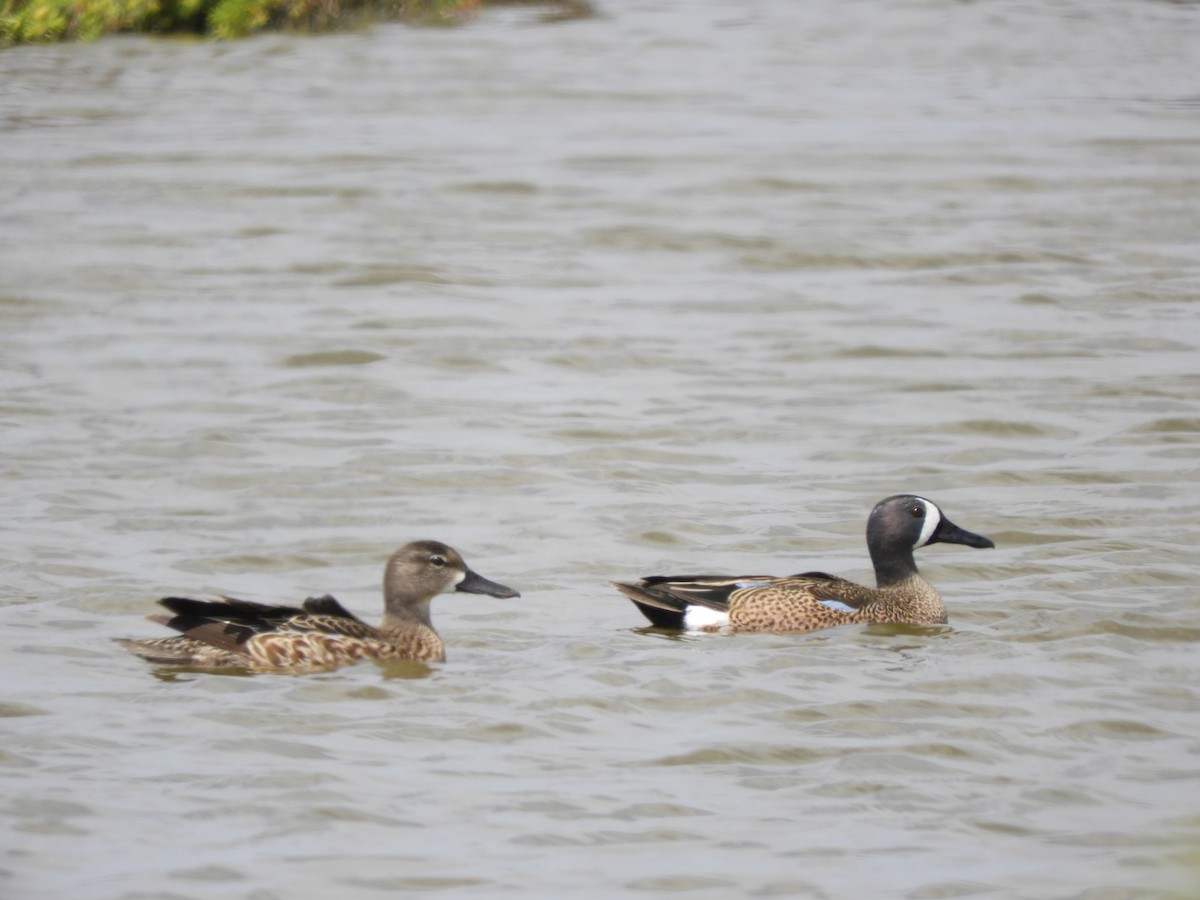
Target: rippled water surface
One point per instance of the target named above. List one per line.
(676, 287)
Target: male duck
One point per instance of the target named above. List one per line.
(322, 634)
(814, 600)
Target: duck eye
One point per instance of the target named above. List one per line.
(438, 561)
(918, 512)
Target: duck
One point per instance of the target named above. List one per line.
(320, 633)
(811, 601)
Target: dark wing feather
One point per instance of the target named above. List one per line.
(327, 605)
(679, 591)
(220, 634)
(230, 609)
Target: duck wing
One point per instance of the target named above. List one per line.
(229, 623)
(328, 616)
(798, 603)
(833, 592)
(711, 591)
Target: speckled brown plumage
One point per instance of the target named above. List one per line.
(794, 604)
(320, 634)
(182, 651)
(815, 600)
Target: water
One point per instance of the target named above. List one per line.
(668, 289)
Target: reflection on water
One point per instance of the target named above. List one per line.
(669, 289)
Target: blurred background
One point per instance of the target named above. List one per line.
(665, 288)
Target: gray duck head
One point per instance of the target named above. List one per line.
(899, 525)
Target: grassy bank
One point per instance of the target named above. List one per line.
(25, 21)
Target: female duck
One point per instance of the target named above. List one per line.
(814, 600)
(321, 634)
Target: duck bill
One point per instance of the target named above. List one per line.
(949, 533)
(474, 583)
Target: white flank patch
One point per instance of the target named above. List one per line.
(837, 605)
(933, 518)
(701, 618)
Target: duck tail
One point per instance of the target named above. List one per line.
(663, 610)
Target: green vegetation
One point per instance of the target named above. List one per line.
(24, 21)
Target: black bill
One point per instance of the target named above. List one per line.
(477, 584)
(949, 533)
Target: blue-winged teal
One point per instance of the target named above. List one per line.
(321, 634)
(814, 600)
